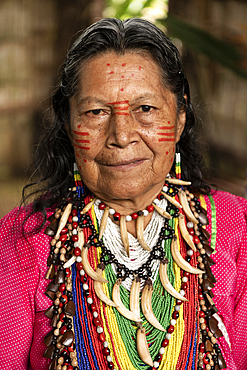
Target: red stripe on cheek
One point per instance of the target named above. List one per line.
(163, 139)
(82, 147)
(166, 127)
(82, 141)
(80, 133)
(166, 133)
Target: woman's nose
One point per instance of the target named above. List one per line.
(122, 130)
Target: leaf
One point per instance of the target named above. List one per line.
(201, 41)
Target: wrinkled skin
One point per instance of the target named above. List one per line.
(124, 127)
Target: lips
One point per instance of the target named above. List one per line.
(125, 162)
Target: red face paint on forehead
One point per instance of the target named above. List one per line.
(108, 64)
(122, 89)
(77, 154)
(111, 73)
(79, 126)
(140, 68)
(122, 76)
(85, 160)
(124, 64)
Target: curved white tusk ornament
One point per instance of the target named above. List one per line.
(103, 222)
(88, 206)
(185, 234)
(161, 212)
(177, 181)
(186, 208)
(134, 296)
(98, 287)
(171, 200)
(180, 261)
(63, 220)
(146, 302)
(139, 232)
(124, 234)
(87, 267)
(119, 304)
(142, 347)
(166, 283)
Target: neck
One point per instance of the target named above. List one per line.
(129, 206)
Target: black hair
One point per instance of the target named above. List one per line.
(55, 155)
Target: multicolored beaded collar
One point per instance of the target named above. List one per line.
(97, 323)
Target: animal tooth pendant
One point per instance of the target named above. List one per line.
(134, 296)
(177, 181)
(119, 304)
(63, 220)
(184, 232)
(166, 283)
(103, 222)
(124, 234)
(186, 208)
(88, 206)
(146, 302)
(142, 347)
(81, 243)
(161, 212)
(180, 261)
(87, 267)
(139, 231)
(98, 288)
(171, 200)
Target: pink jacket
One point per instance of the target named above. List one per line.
(23, 268)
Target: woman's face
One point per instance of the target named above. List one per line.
(124, 126)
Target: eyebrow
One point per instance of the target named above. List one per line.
(89, 98)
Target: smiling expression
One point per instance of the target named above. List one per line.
(124, 126)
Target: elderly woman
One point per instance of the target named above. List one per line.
(110, 268)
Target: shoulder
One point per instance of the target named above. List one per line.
(22, 238)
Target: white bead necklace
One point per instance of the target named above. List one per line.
(137, 255)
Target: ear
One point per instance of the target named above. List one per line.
(181, 120)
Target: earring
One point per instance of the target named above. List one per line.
(178, 164)
(77, 177)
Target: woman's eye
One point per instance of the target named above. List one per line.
(95, 112)
(146, 108)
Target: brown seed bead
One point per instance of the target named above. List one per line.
(58, 245)
(62, 257)
(200, 356)
(188, 199)
(53, 242)
(59, 367)
(196, 216)
(57, 214)
(59, 345)
(201, 265)
(193, 209)
(211, 363)
(201, 320)
(200, 279)
(74, 363)
(191, 195)
(56, 332)
(200, 363)
(192, 203)
(64, 367)
(70, 227)
(210, 334)
(56, 250)
(72, 355)
(202, 251)
(59, 310)
(204, 308)
(59, 294)
(60, 360)
(63, 250)
(199, 246)
(208, 367)
(209, 356)
(187, 192)
(199, 259)
(202, 302)
(213, 340)
(203, 326)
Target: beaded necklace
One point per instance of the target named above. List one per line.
(99, 336)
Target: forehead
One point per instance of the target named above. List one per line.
(112, 66)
